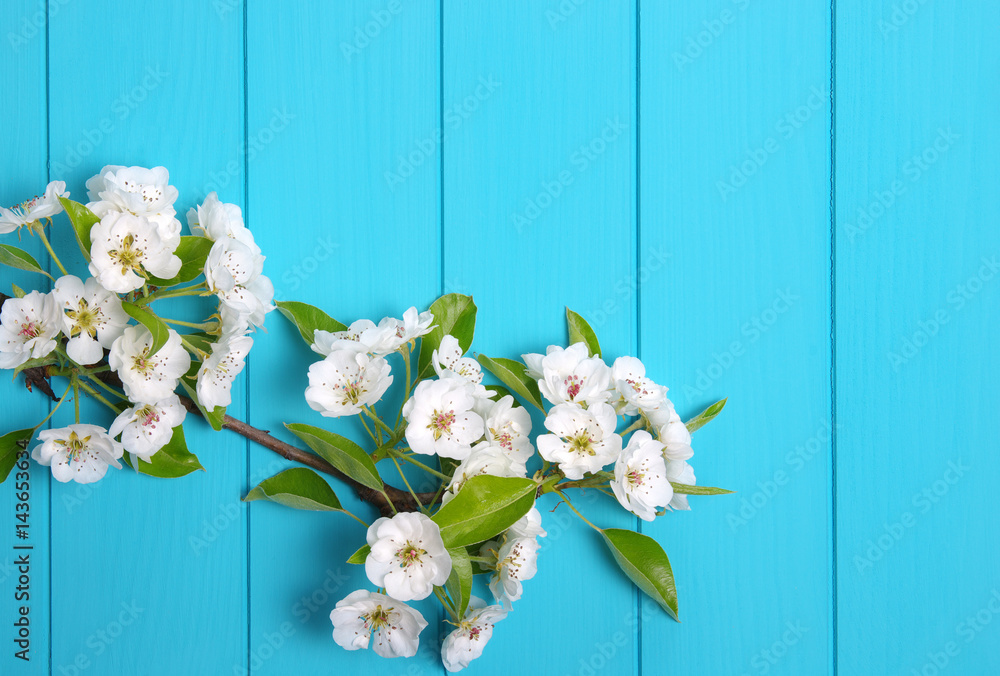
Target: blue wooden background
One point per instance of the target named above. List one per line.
(788, 203)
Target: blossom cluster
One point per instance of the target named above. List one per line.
(99, 331)
(606, 427)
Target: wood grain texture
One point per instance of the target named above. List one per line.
(22, 149)
(735, 272)
(340, 236)
(554, 106)
(917, 291)
(146, 565)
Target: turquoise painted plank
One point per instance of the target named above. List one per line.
(155, 564)
(358, 84)
(917, 291)
(539, 207)
(24, 584)
(734, 270)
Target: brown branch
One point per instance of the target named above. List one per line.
(401, 500)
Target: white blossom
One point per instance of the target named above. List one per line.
(679, 471)
(28, 327)
(46, 205)
(408, 556)
(414, 325)
(233, 272)
(449, 362)
(345, 382)
(637, 392)
(640, 482)
(440, 419)
(125, 249)
(570, 375)
(78, 453)
(140, 192)
(517, 561)
(671, 432)
(216, 375)
(582, 440)
(485, 458)
(146, 428)
(148, 379)
(363, 614)
(92, 317)
(467, 641)
(217, 220)
(528, 526)
(363, 336)
(509, 426)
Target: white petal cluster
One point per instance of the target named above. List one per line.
(441, 420)
(517, 561)
(78, 453)
(30, 211)
(28, 328)
(570, 375)
(125, 249)
(449, 363)
(345, 382)
(636, 391)
(364, 616)
(641, 484)
(376, 340)
(146, 428)
(407, 556)
(140, 192)
(470, 637)
(148, 379)
(216, 374)
(581, 440)
(92, 317)
(485, 458)
(509, 427)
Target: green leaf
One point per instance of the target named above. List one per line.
(455, 315)
(18, 291)
(580, 332)
(22, 260)
(153, 324)
(33, 363)
(459, 584)
(170, 462)
(359, 557)
(308, 319)
(485, 507)
(214, 417)
(706, 416)
(299, 487)
(202, 341)
(685, 489)
(193, 251)
(11, 444)
(340, 452)
(646, 564)
(83, 219)
(514, 375)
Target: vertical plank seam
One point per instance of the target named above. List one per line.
(441, 126)
(48, 267)
(638, 277)
(246, 384)
(834, 608)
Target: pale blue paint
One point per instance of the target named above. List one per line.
(264, 105)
